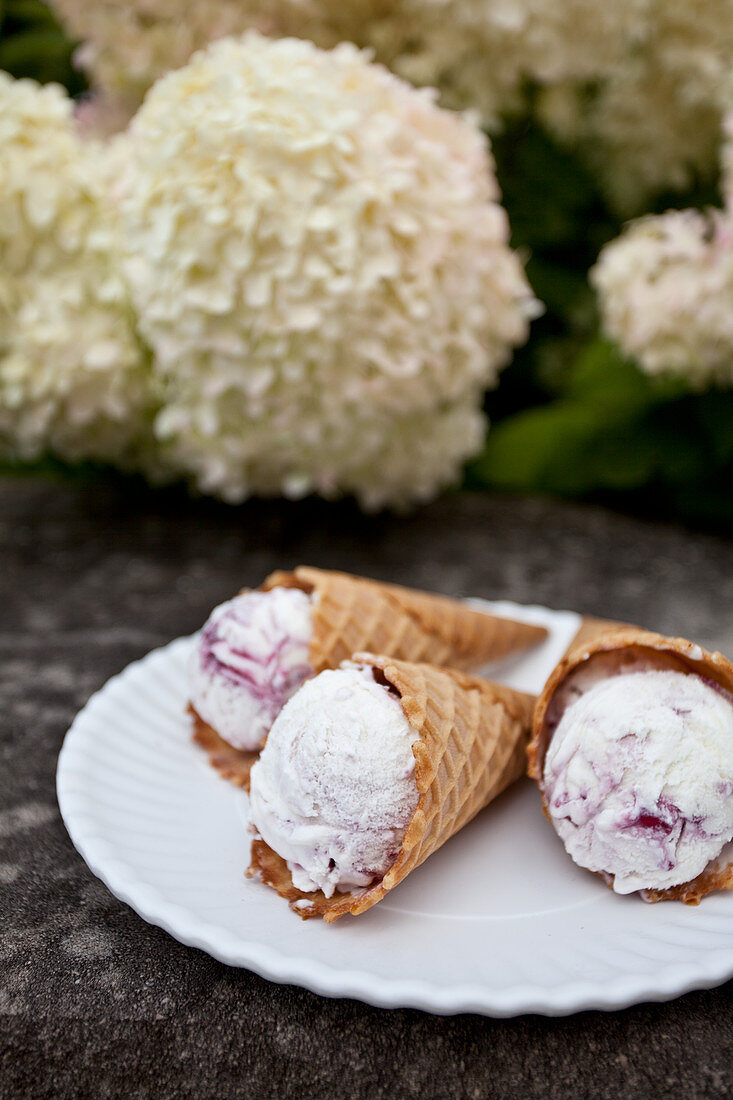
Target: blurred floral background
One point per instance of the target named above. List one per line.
(280, 268)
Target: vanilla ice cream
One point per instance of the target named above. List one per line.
(638, 777)
(251, 656)
(334, 788)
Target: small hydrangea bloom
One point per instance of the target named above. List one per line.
(666, 295)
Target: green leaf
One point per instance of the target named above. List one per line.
(32, 44)
(32, 12)
(39, 54)
(601, 371)
(555, 449)
(715, 416)
(612, 428)
(563, 290)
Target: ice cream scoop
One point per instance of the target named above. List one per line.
(369, 769)
(639, 778)
(633, 751)
(250, 658)
(334, 788)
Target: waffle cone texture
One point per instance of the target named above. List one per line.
(353, 614)
(614, 645)
(470, 744)
(232, 764)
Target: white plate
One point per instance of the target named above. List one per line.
(498, 921)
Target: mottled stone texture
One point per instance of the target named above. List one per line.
(94, 1002)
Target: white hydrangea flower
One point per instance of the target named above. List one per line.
(481, 53)
(319, 263)
(666, 295)
(73, 376)
(73, 381)
(44, 205)
(653, 120)
(639, 84)
(127, 46)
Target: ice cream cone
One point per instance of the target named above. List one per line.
(354, 614)
(592, 628)
(618, 647)
(232, 764)
(470, 745)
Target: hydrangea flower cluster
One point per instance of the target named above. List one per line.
(640, 85)
(125, 47)
(73, 378)
(652, 120)
(666, 291)
(291, 274)
(481, 53)
(324, 279)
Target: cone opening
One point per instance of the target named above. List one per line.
(283, 578)
(613, 660)
(416, 718)
(381, 679)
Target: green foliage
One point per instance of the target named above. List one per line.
(32, 44)
(571, 416)
(613, 431)
(559, 223)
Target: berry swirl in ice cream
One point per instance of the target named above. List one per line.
(334, 788)
(638, 776)
(252, 655)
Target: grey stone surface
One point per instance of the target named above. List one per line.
(95, 1003)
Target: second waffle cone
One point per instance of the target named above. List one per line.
(353, 614)
(616, 642)
(471, 738)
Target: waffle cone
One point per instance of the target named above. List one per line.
(614, 645)
(592, 629)
(232, 764)
(353, 614)
(470, 745)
